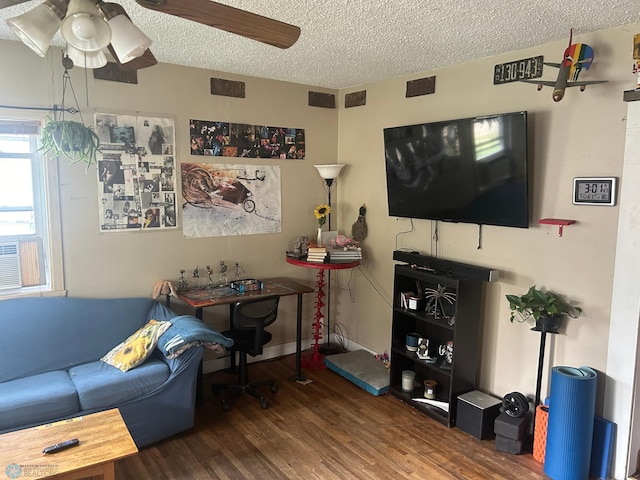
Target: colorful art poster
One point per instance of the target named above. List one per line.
(224, 139)
(136, 173)
(223, 200)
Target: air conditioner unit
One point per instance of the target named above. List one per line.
(10, 275)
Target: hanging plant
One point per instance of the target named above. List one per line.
(71, 139)
(74, 140)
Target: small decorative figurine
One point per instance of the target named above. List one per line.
(223, 273)
(209, 273)
(182, 282)
(196, 275)
(446, 351)
(436, 306)
(359, 229)
(239, 270)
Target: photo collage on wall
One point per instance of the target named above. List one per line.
(224, 139)
(136, 173)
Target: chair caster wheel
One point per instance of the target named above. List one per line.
(274, 388)
(263, 404)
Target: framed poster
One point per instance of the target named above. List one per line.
(136, 173)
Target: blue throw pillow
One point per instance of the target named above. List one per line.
(186, 332)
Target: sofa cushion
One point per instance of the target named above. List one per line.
(37, 399)
(100, 385)
(137, 347)
(186, 332)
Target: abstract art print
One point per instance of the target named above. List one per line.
(225, 199)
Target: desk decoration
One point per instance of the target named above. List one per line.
(321, 213)
(136, 173)
(248, 285)
(182, 282)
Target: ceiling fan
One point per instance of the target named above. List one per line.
(89, 26)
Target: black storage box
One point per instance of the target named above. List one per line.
(476, 413)
(510, 427)
(508, 445)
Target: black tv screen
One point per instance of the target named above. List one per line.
(471, 170)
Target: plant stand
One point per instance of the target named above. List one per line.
(315, 360)
(543, 341)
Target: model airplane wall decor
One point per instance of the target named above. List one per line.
(577, 56)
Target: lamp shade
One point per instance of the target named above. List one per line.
(37, 27)
(84, 27)
(330, 171)
(87, 59)
(126, 39)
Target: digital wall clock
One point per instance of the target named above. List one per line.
(594, 190)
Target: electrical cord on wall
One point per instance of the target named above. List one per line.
(402, 233)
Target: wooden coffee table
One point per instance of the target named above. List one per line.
(103, 436)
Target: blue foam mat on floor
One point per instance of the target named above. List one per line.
(361, 368)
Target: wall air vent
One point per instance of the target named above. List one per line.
(10, 276)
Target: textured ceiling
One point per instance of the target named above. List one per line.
(345, 43)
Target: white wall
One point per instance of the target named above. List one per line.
(583, 135)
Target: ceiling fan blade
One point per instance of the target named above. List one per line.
(145, 60)
(230, 19)
(10, 3)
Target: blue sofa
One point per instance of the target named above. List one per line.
(50, 367)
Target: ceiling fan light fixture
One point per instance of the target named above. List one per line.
(84, 27)
(127, 40)
(86, 59)
(37, 27)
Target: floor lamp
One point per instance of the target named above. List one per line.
(329, 173)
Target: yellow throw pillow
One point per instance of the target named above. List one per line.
(137, 348)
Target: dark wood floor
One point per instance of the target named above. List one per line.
(328, 429)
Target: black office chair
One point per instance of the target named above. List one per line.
(248, 321)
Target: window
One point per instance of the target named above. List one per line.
(26, 249)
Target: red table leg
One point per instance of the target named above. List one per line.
(315, 360)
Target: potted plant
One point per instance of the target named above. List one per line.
(547, 308)
(71, 139)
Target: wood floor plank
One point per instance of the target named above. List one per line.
(327, 430)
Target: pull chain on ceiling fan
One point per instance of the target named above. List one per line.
(90, 26)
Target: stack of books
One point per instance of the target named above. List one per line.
(340, 254)
(316, 254)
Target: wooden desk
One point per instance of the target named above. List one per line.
(104, 438)
(204, 297)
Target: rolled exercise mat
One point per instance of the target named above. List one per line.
(570, 431)
(540, 433)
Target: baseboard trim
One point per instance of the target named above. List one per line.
(275, 351)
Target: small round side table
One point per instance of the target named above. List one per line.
(315, 360)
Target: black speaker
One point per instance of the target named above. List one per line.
(476, 413)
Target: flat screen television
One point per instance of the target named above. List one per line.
(471, 170)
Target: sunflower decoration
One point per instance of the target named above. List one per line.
(322, 212)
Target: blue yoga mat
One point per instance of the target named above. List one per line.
(572, 406)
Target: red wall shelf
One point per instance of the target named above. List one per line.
(556, 221)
